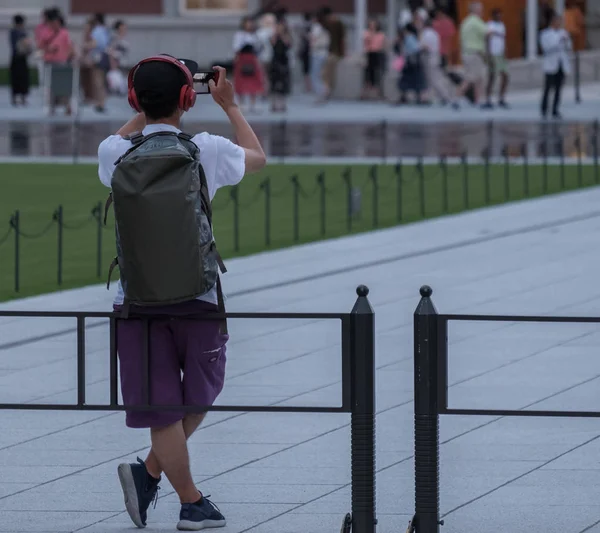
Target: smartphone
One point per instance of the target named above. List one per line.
(201, 80)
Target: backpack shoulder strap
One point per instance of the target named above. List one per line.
(185, 136)
(136, 137)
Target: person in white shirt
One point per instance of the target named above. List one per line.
(319, 51)
(436, 80)
(556, 46)
(246, 37)
(161, 89)
(498, 64)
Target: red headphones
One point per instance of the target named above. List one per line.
(187, 96)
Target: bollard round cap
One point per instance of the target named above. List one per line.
(362, 291)
(426, 291)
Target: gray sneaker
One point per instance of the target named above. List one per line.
(202, 515)
(139, 490)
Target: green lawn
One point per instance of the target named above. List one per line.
(37, 190)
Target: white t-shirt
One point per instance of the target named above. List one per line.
(224, 163)
(242, 38)
(264, 36)
(319, 40)
(430, 40)
(497, 38)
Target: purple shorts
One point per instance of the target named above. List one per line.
(187, 361)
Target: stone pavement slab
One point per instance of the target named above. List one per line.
(288, 473)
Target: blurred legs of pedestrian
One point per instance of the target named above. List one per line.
(475, 74)
(498, 65)
(87, 83)
(553, 82)
(305, 60)
(99, 88)
(330, 74)
(436, 80)
(317, 67)
(373, 76)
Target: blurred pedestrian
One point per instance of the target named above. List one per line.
(21, 46)
(375, 44)
(498, 64)
(412, 78)
(264, 34)
(118, 50)
(337, 48)
(41, 33)
(279, 69)
(86, 62)
(446, 29)
(101, 60)
(473, 41)
(304, 50)
(248, 77)
(431, 49)
(58, 50)
(555, 43)
(319, 51)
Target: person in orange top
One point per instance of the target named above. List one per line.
(446, 29)
(375, 45)
(575, 24)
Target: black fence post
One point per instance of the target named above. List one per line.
(444, 167)
(384, 135)
(427, 445)
(321, 183)
(421, 174)
(374, 182)
(577, 78)
(362, 330)
(399, 190)
(579, 147)
(486, 163)
(97, 214)
(562, 164)
(506, 173)
(15, 222)
(296, 207)
(266, 186)
(235, 198)
(525, 169)
(58, 216)
(595, 153)
(347, 177)
(465, 166)
(545, 165)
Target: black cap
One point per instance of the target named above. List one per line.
(157, 81)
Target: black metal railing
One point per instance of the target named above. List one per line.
(273, 212)
(358, 386)
(431, 399)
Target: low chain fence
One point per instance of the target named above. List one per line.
(39, 253)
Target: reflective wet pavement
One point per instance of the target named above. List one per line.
(286, 139)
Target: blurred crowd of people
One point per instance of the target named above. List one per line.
(263, 48)
(100, 57)
(425, 46)
(421, 60)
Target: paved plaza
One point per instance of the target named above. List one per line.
(524, 108)
(290, 473)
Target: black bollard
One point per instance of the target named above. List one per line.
(362, 364)
(427, 483)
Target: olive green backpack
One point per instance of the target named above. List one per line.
(166, 252)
